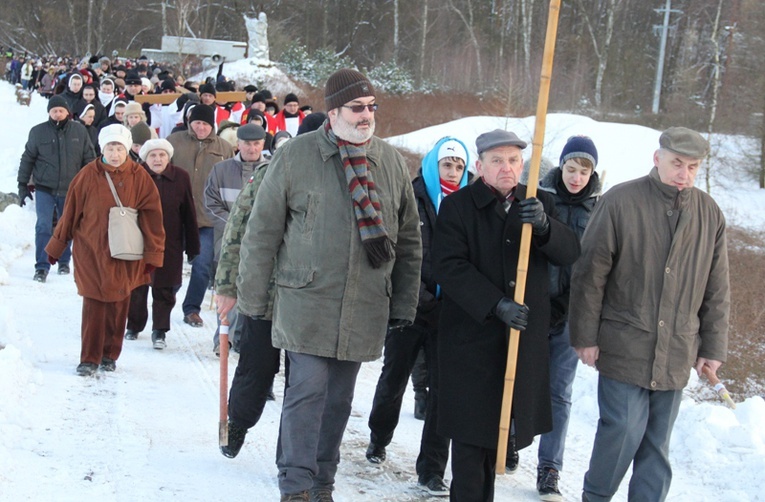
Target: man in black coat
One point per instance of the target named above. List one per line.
(55, 152)
(475, 260)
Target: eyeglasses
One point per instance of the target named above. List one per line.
(360, 108)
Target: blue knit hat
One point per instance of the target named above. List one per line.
(579, 147)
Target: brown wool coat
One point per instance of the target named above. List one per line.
(85, 220)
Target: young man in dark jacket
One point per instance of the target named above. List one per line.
(55, 152)
(442, 173)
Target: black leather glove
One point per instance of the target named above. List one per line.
(398, 323)
(532, 211)
(191, 258)
(513, 314)
(24, 193)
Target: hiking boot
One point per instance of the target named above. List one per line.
(193, 320)
(547, 484)
(40, 275)
(131, 334)
(63, 269)
(86, 369)
(320, 495)
(420, 404)
(511, 465)
(375, 454)
(158, 339)
(270, 394)
(108, 364)
(435, 486)
(236, 436)
(295, 497)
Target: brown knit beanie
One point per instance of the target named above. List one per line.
(141, 133)
(346, 85)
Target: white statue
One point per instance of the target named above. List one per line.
(257, 35)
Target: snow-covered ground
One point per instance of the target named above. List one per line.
(149, 430)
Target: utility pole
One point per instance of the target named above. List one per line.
(662, 51)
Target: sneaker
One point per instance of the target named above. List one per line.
(435, 486)
(375, 454)
(86, 369)
(547, 484)
(194, 320)
(295, 497)
(270, 394)
(320, 495)
(236, 436)
(158, 339)
(63, 269)
(40, 275)
(108, 364)
(131, 334)
(512, 457)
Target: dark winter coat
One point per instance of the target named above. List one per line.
(475, 261)
(650, 298)
(85, 220)
(72, 99)
(574, 210)
(54, 155)
(427, 301)
(180, 221)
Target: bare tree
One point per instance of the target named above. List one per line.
(467, 20)
(601, 49)
(423, 39)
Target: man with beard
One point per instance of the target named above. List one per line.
(332, 207)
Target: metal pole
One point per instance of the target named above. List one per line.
(660, 64)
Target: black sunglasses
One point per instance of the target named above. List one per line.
(360, 108)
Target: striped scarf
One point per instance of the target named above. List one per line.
(366, 203)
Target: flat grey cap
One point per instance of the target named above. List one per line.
(250, 132)
(684, 141)
(496, 138)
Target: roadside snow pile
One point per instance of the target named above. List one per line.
(14, 225)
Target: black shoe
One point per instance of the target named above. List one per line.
(375, 454)
(63, 269)
(86, 369)
(435, 486)
(547, 484)
(131, 334)
(512, 457)
(320, 495)
(270, 394)
(40, 275)
(420, 404)
(158, 339)
(236, 436)
(108, 364)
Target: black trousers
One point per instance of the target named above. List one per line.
(255, 371)
(163, 301)
(473, 472)
(401, 349)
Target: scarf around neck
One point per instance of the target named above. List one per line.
(366, 203)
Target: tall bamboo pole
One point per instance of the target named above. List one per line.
(523, 258)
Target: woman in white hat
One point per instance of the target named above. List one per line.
(104, 282)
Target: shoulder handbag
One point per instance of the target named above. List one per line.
(125, 236)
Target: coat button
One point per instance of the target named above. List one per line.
(653, 384)
(508, 242)
(661, 323)
(511, 284)
(667, 270)
(669, 213)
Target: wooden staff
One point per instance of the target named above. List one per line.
(523, 257)
(223, 421)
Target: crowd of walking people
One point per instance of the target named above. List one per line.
(319, 244)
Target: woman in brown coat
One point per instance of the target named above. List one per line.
(104, 282)
(181, 233)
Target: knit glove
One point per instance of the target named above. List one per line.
(24, 193)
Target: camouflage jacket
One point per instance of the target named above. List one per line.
(228, 265)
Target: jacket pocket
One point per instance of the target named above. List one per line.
(294, 277)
